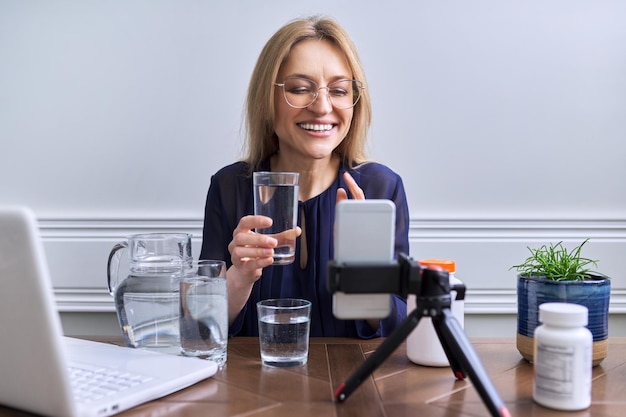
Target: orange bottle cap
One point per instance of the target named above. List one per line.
(445, 264)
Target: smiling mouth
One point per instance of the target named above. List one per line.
(316, 127)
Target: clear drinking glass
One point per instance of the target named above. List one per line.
(276, 196)
(284, 326)
(204, 311)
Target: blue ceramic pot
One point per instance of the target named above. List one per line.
(592, 293)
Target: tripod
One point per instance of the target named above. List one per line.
(432, 290)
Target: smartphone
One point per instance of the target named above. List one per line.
(364, 233)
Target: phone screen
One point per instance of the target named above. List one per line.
(364, 233)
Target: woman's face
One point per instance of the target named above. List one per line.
(315, 131)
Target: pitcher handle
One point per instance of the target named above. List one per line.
(114, 254)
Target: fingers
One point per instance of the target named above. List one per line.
(353, 187)
(249, 223)
(355, 190)
(251, 251)
(341, 195)
(288, 237)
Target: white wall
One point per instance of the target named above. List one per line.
(507, 121)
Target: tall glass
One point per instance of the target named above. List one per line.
(276, 196)
(204, 311)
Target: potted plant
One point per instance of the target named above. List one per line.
(553, 274)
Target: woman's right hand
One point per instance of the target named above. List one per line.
(250, 252)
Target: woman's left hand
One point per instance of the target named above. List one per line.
(355, 190)
(357, 194)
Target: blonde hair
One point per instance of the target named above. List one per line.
(261, 140)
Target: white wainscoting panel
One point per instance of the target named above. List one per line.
(484, 251)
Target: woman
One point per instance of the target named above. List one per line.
(307, 111)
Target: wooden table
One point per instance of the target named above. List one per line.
(398, 388)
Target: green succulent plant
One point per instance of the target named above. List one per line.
(556, 263)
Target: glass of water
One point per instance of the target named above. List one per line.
(284, 331)
(204, 311)
(276, 196)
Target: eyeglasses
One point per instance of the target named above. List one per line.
(301, 92)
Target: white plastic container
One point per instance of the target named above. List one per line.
(562, 359)
(423, 346)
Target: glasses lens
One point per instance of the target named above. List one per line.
(302, 92)
(344, 94)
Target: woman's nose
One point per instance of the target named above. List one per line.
(322, 103)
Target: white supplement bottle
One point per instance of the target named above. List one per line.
(563, 353)
(423, 346)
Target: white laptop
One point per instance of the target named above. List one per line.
(36, 358)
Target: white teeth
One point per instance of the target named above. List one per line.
(316, 127)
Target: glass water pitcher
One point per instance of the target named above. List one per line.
(147, 299)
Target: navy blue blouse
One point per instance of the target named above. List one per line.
(230, 197)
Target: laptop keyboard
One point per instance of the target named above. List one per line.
(90, 383)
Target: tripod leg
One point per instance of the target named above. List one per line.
(457, 368)
(380, 354)
(461, 352)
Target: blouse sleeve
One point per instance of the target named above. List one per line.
(227, 201)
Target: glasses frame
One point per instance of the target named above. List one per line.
(359, 87)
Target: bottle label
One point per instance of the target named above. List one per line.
(562, 373)
(554, 370)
